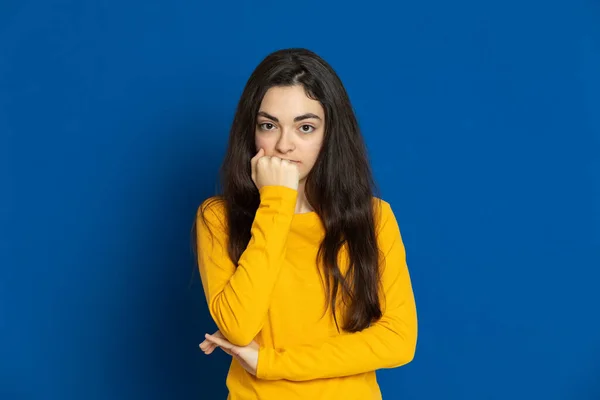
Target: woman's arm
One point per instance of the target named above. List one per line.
(388, 343)
(239, 296)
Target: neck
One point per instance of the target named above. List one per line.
(302, 205)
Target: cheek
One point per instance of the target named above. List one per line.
(314, 149)
(264, 143)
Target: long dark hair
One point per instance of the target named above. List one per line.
(340, 187)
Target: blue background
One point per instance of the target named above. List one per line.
(483, 123)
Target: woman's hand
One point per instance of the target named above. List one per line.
(273, 171)
(247, 355)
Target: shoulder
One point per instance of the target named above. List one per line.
(384, 217)
(212, 211)
(382, 210)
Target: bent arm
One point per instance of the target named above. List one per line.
(239, 296)
(388, 343)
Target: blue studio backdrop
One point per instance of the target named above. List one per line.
(483, 125)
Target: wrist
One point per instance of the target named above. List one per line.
(278, 194)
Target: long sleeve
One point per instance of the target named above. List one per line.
(388, 343)
(238, 296)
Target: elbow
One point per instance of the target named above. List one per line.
(403, 354)
(409, 353)
(403, 349)
(237, 330)
(235, 333)
(238, 337)
(409, 346)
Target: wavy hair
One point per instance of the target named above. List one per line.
(340, 186)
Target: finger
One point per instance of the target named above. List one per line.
(214, 346)
(210, 348)
(206, 345)
(219, 342)
(253, 162)
(258, 155)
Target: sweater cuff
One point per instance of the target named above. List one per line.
(281, 197)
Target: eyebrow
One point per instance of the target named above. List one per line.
(298, 118)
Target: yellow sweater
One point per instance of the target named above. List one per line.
(275, 296)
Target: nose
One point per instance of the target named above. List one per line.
(285, 143)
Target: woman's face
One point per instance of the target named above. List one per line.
(290, 125)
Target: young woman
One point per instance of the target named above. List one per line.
(303, 268)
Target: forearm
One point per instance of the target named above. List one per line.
(386, 344)
(389, 342)
(238, 303)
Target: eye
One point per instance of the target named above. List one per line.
(307, 128)
(266, 126)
